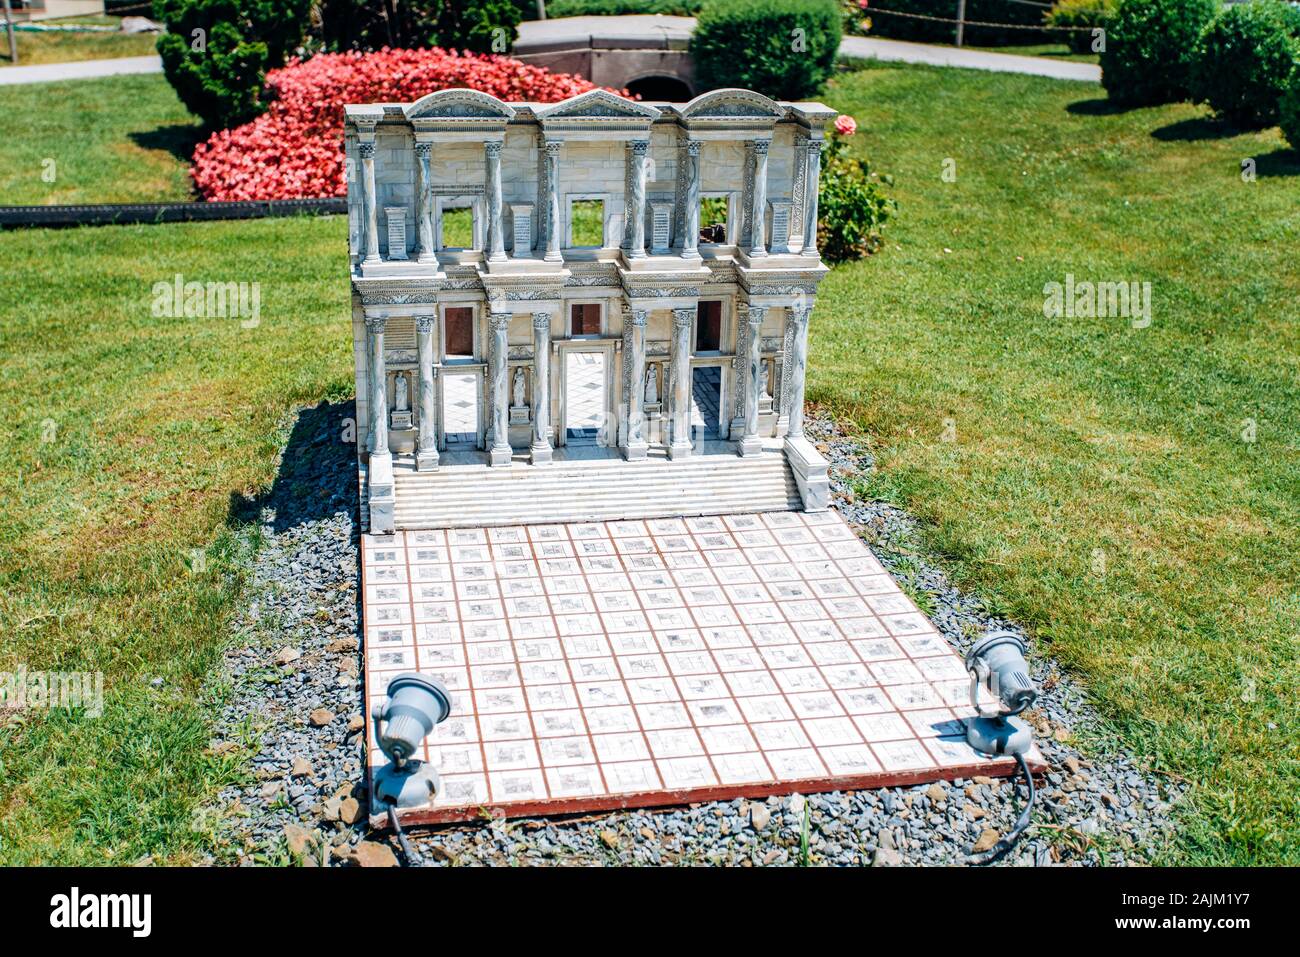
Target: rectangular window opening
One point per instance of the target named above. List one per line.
(458, 226)
(708, 326)
(587, 222)
(713, 219)
(584, 319)
(459, 323)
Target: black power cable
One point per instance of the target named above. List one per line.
(1022, 822)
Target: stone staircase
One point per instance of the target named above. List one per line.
(599, 490)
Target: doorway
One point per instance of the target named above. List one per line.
(460, 412)
(584, 397)
(706, 401)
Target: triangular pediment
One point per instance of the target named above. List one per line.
(732, 104)
(597, 105)
(459, 104)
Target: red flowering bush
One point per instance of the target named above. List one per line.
(295, 149)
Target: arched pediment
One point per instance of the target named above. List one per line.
(732, 104)
(459, 104)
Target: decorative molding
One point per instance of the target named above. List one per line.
(459, 104)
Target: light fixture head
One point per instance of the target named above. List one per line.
(415, 704)
(997, 661)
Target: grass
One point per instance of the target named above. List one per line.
(588, 226)
(1097, 486)
(133, 441)
(1132, 495)
(123, 139)
(1057, 51)
(65, 46)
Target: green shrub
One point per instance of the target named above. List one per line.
(483, 26)
(852, 207)
(1077, 19)
(783, 48)
(215, 53)
(1289, 112)
(1244, 61)
(613, 8)
(1150, 49)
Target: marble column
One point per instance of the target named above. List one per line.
(378, 439)
(798, 360)
(367, 151)
(683, 322)
(500, 353)
(424, 202)
(552, 201)
(637, 447)
(811, 185)
(750, 442)
(691, 215)
(426, 449)
(496, 239)
(758, 209)
(637, 156)
(541, 451)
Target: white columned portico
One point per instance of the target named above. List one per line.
(691, 198)
(812, 179)
(366, 149)
(426, 455)
(496, 239)
(750, 443)
(637, 447)
(541, 450)
(798, 370)
(424, 202)
(758, 210)
(683, 322)
(499, 322)
(637, 157)
(551, 166)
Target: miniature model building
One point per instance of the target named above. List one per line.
(592, 309)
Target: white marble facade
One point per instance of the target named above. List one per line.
(491, 240)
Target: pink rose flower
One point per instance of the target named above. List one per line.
(846, 125)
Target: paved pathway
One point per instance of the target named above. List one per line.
(80, 70)
(873, 48)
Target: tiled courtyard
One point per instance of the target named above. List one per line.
(637, 663)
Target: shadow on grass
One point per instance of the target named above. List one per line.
(179, 139)
(1101, 106)
(1280, 162)
(317, 477)
(1195, 129)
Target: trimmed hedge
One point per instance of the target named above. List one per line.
(785, 49)
(475, 25)
(614, 8)
(1289, 112)
(1245, 60)
(1151, 49)
(215, 53)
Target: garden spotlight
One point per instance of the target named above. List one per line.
(415, 704)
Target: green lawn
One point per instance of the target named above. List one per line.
(1097, 487)
(124, 139)
(66, 46)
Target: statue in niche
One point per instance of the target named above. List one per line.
(401, 395)
(652, 385)
(763, 381)
(517, 389)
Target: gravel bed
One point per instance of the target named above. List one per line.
(297, 653)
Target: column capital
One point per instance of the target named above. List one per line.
(683, 317)
(639, 316)
(423, 150)
(493, 147)
(760, 146)
(366, 150)
(693, 147)
(542, 321)
(814, 147)
(552, 147)
(799, 314)
(639, 147)
(755, 314)
(375, 324)
(498, 321)
(424, 324)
